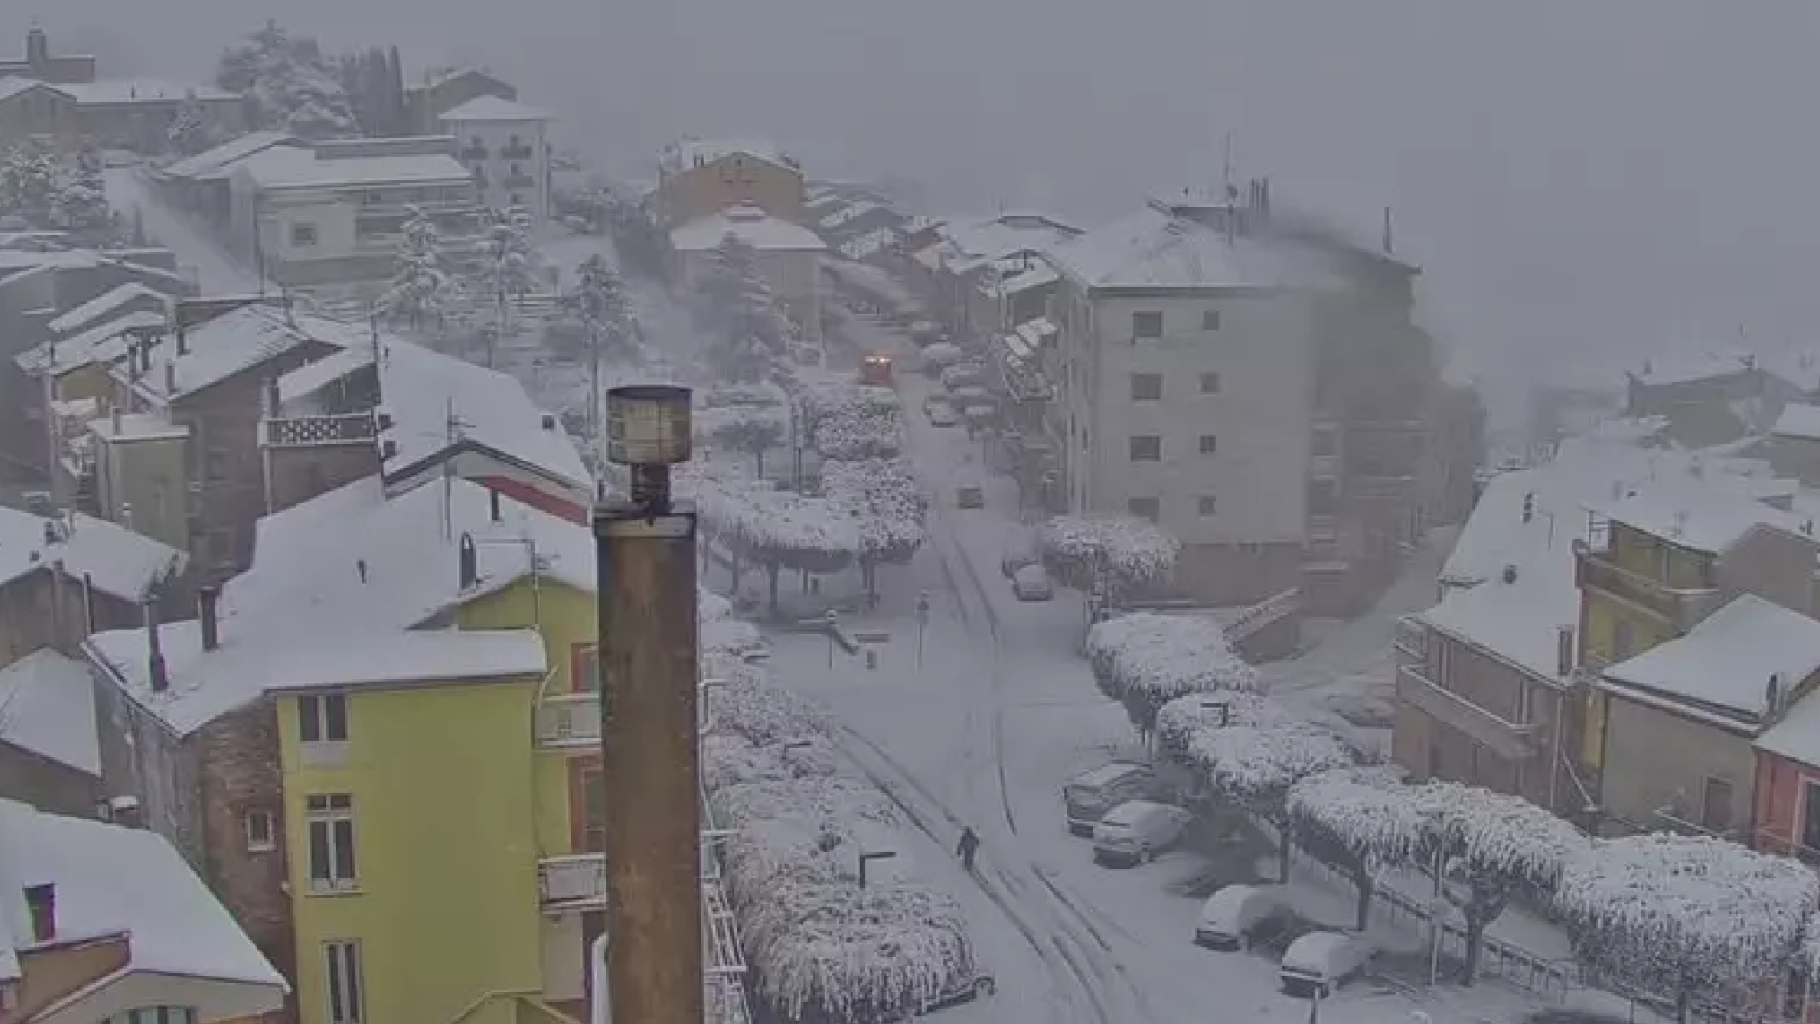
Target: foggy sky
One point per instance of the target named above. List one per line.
(1576, 176)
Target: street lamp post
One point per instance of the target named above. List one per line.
(645, 551)
(869, 857)
(922, 625)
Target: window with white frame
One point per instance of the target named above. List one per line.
(261, 831)
(346, 985)
(322, 718)
(331, 823)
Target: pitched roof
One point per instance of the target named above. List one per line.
(229, 152)
(207, 684)
(289, 167)
(11, 86)
(1700, 515)
(105, 342)
(1727, 660)
(232, 343)
(690, 152)
(140, 90)
(120, 563)
(750, 225)
(1797, 735)
(111, 880)
(94, 309)
(47, 706)
(494, 108)
(1158, 248)
(1801, 422)
(419, 389)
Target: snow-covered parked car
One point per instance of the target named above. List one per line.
(1136, 831)
(1319, 962)
(962, 375)
(970, 496)
(1020, 550)
(940, 412)
(1088, 796)
(1031, 583)
(1237, 914)
(940, 356)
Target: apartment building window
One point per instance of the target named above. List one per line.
(1147, 508)
(1210, 444)
(1147, 326)
(1716, 804)
(1146, 387)
(155, 1015)
(1321, 443)
(303, 235)
(594, 810)
(1146, 448)
(322, 718)
(331, 823)
(584, 668)
(345, 983)
(261, 831)
(1206, 505)
(1210, 383)
(1210, 320)
(515, 200)
(1322, 497)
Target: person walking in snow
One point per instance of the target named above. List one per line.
(968, 846)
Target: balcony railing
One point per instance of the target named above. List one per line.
(568, 720)
(1507, 739)
(1682, 607)
(1324, 467)
(311, 431)
(515, 153)
(517, 181)
(572, 881)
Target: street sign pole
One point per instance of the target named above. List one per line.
(922, 625)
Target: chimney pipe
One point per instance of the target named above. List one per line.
(41, 901)
(116, 420)
(88, 604)
(271, 397)
(170, 379)
(156, 673)
(125, 810)
(208, 606)
(493, 505)
(183, 341)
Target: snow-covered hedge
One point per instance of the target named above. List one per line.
(1688, 915)
(942, 355)
(849, 421)
(777, 528)
(883, 498)
(1130, 551)
(1145, 660)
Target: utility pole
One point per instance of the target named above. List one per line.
(645, 551)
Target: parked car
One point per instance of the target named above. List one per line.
(962, 375)
(1136, 831)
(1031, 583)
(970, 496)
(1020, 551)
(1232, 916)
(1319, 962)
(1088, 796)
(940, 412)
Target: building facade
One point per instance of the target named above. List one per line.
(506, 146)
(698, 178)
(60, 96)
(788, 256)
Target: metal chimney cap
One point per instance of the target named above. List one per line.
(648, 425)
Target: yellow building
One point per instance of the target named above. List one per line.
(443, 861)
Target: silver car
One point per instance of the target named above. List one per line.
(1031, 583)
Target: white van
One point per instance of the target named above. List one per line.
(1230, 916)
(1136, 831)
(1088, 796)
(1319, 962)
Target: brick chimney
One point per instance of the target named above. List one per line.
(41, 901)
(208, 612)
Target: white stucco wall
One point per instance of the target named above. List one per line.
(496, 136)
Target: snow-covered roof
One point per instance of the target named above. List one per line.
(1728, 659)
(970, 243)
(13, 85)
(47, 706)
(1797, 735)
(102, 343)
(750, 225)
(847, 213)
(1798, 421)
(494, 108)
(1701, 515)
(138, 426)
(1159, 247)
(692, 152)
(232, 151)
(419, 388)
(312, 377)
(94, 309)
(291, 167)
(112, 880)
(120, 563)
(1692, 367)
(1518, 622)
(308, 558)
(232, 343)
(1020, 277)
(207, 684)
(872, 242)
(139, 90)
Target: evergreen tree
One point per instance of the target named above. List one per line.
(754, 334)
(30, 181)
(190, 132)
(288, 83)
(80, 204)
(421, 289)
(397, 102)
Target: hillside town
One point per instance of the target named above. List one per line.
(1099, 623)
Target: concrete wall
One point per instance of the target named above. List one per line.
(495, 138)
(1655, 759)
(46, 784)
(146, 482)
(37, 112)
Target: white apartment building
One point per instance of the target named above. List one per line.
(505, 145)
(1192, 374)
(335, 211)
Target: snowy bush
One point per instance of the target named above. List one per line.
(288, 83)
(1687, 915)
(728, 759)
(886, 505)
(846, 420)
(1128, 551)
(1181, 719)
(942, 355)
(749, 707)
(1145, 660)
(748, 429)
(776, 529)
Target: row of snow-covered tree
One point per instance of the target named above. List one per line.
(819, 946)
(49, 189)
(290, 85)
(1686, 918)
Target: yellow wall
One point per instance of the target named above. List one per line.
(564, 616)
(443, 781)
(1603, 613)
(90, 381)
(1667, 564)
